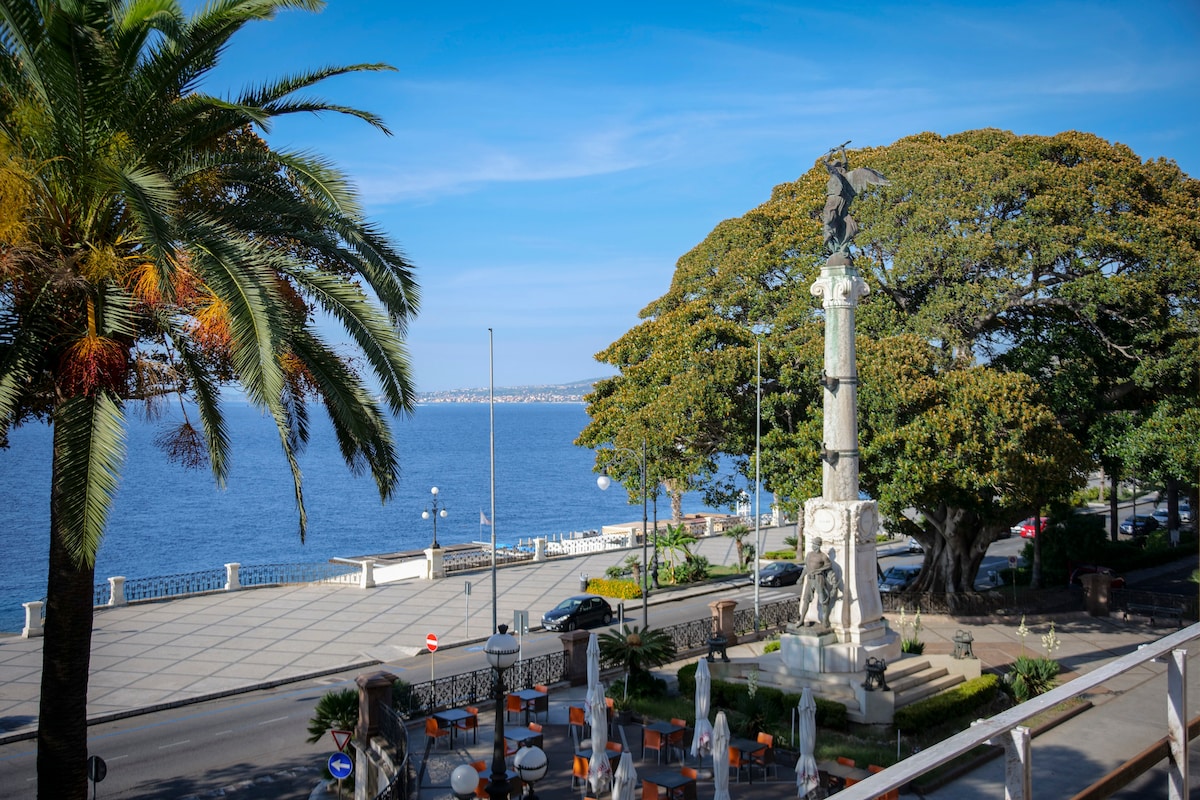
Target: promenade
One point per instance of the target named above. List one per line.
(169, 653)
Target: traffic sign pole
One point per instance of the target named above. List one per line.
(432, 643)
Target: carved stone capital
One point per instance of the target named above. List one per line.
(840, 291)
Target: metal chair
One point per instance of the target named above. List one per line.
(433, 731)
(765, 759)
(737, 760)
(653, 740)
(470, 723)
(514, 705)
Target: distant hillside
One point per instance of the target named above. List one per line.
(551, 393)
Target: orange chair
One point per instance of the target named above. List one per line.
(471, 723)
(435, 731)
(652, 740)
(675, 740)
(765, 759)
(690, 772)
(688, 791)
(514, 705)
(536, 727)
(893, 794)
(579, 772)
(650, 790)
(613, 747)
(847, 762)
(541, 705)
(576, 719)
(737, 760)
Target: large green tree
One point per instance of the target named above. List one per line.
(153, 243)
(1023, 290)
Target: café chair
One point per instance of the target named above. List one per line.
(737, 760)
(434, 731)
(576, 719)
(471, 723)
(676, 740)
(893, 794)
(653, 740)
(650, 790)
(765, 759)
(514, 705)
(579, 772)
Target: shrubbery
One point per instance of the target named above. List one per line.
(962, 700)
(769, 707)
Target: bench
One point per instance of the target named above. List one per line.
(1152, 611)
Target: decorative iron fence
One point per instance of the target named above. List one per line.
(466, 560)
(957, 603)
(770, 616)
(1122, 599)
(472, 687)
(281, 574)
(403, 785)
(692, 635)
(213, 580)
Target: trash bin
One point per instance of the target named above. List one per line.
(583, 581)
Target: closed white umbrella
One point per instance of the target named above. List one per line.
(626, 778)
(593, 673)
(807, 778)
(702, 738)
(720, 744)
(599, 770)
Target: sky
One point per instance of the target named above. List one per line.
(550, 162)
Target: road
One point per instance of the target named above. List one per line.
(252, 747)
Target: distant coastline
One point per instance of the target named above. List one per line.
(551, 393)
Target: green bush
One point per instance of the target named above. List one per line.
(960, 701)
(615, 572)
(1031, 677)
(771, 705)
(692, 570)
(771, 646)
(780, 555)
(620, 589)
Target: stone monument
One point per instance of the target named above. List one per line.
(851, 629)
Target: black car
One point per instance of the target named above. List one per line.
(1139, 525)
(580, 611)
(779, 573)
(899, 577)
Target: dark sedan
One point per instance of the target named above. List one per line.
(580, 611)
(1139, 525)
(779, 573)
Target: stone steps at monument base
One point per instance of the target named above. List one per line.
(915, 673)
(927, 687)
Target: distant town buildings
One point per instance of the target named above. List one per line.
(560, 393)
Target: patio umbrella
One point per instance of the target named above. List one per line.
(702, 738)
(626, 778)
(593, 673)
(720, 745)
(806, 765)
(599, 770)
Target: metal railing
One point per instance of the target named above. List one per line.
(1122, 599)
(1006, 727)
(954, 603)
(466, 560)
(403, 785)
(464, 688)
(281, 574)
(159, 587)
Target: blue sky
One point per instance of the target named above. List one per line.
(551, 161)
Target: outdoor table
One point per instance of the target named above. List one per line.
(514, 779)
(747, 747)
(523, 737)
(531, 699)
(667, 729)
(448, 717)
(586, 752)
(665, 778)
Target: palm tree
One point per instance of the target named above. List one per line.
(638, 650)
(151, 243)
(677, 541)
(739, 533)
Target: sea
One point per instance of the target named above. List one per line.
(168, 520)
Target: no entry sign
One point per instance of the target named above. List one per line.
(431, 642)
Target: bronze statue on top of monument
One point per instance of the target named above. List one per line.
(820, 581)
(837, 226)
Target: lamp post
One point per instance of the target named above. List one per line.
(604, 482)
(463, 781)
(757, 480)
(530, 763)
(501, 650)
(433, 515)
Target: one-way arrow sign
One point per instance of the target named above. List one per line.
(340, 766)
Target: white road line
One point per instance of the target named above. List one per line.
(174, 744)
(223, 733)
(270, 721)
(117, 758)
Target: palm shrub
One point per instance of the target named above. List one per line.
(1030, 677)
(336, 711)
(637, 650)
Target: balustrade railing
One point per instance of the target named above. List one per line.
(479, 559)
(465, 688)
(215, 580)
(402, 786)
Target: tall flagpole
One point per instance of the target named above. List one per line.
(492, 441)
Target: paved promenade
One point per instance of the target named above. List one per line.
(175, 652)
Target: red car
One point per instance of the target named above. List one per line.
(1027, 529)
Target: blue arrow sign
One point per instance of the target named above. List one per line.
(340, 766)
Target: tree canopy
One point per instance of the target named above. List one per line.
(1026, 292)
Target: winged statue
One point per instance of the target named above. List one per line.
(838, 226)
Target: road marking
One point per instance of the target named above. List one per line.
(223, 733)
(271, 721)
(174, 744)
(118, 758)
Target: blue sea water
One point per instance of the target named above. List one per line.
(167, 520)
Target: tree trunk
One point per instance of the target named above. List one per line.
(1113, 510)
(66, 653)
(953, 553)
(1035, 573)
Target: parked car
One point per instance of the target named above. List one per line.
(1185, 511)
(1139, 525)
(899, 577)
(1028, 529)
(580, 611)
(1093, 569)
(914, 546)
(779, 573)
(1161, 516)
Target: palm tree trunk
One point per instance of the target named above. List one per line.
(66, 654)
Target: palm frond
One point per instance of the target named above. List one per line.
(89, 450)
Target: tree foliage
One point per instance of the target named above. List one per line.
(154, 245)
(1032, 302)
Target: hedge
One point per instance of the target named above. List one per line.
(960, 701)
(773, 705)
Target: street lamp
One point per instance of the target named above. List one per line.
(757, 480)
(501, 650)
(463, 781)
(433, 515)
(604, 482)
(530, 763)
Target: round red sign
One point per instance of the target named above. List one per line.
(431, 642)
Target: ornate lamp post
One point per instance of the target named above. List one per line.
(501, 650)
(433, 515)
(463, 781)
(604, 482)
(530, 763)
